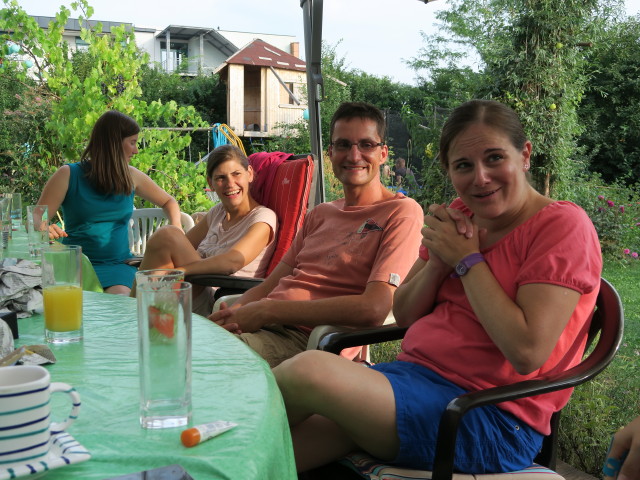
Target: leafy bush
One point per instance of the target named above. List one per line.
(614, 210)
(27, 154)
(52, 121)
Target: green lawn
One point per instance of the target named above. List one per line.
(601, 406)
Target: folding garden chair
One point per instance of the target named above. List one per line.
(607, 325)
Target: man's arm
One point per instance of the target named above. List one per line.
(265, 288)
(225, 315)
(368, 309)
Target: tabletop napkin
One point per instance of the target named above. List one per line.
(6, 339)
(20, 287)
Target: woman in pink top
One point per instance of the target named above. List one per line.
(236, 237)
(503, 289)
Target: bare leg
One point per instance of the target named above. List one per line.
(118, 290)
(335, 406)
(168, 247)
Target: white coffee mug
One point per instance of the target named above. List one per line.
(25, 413)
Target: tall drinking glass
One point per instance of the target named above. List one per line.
(62, 292)
(16, 211)
(37, 228)
(164, 341)
(5, 222)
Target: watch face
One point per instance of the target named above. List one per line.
(461, 269)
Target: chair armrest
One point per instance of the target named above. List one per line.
(224, 281)
(550, 382)
(320, 332)
(134, 261)
(335, 342)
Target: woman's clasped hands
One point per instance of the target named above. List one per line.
(450, 235)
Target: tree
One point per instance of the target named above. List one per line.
(107, 78)
(609, 109)
(447, 87)
(530, 53)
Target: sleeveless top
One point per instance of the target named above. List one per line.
(99, 223)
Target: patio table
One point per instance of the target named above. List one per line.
(229, 382)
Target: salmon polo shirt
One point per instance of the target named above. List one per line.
(340, 249)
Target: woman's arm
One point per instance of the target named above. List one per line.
(416, 296)
(150, 191)
(198, 233)
(527, 330)
(53, 195)
(240, 254)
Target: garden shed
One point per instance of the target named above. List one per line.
(265, 89)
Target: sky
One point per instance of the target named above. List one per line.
(375, 36)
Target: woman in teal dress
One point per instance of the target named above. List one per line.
(96, 199)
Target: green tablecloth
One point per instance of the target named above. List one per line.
(230, 382)
(19, 248)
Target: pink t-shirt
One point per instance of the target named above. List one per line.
(218, 239)
(341, 249)
(558, 245)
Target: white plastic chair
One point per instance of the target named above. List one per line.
(145, 221)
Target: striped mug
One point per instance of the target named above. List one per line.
(25, 414)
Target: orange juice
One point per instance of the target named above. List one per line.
(63, 308)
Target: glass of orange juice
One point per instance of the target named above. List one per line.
(62, 292)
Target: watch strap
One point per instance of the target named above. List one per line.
(466, 263)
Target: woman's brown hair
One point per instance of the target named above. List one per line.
(487, 112)
(224, 153)
(103, 159)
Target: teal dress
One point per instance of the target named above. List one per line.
(99, 223)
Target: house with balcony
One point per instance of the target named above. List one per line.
(263, 72)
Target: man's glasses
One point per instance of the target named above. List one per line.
(365, 146)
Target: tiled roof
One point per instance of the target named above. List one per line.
(262, 54)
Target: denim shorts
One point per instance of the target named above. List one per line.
(490, 440)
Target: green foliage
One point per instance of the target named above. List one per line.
(601, 406)
(385, 352)
(610, 222)
(25, 148)
(383, 91)
(614, 210)
(295, 138)
(336, 90)
(205, 93)
(529, 58)
(72, 91)
(611, 137)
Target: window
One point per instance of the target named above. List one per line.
(285, 98)
(178, 53)
(81, 45)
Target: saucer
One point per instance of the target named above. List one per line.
(65, 450)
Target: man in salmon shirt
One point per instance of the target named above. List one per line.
(351, 254)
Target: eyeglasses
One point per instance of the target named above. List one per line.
(365, 146)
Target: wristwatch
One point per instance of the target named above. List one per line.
(466, 263)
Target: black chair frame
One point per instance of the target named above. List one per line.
(607, 321)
